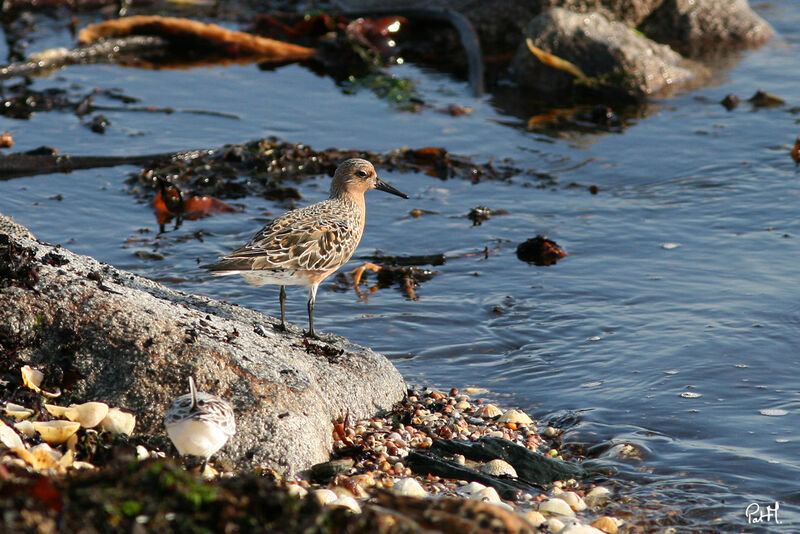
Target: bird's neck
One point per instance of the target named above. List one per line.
(356, 199)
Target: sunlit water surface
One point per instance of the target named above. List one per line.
(632, 339)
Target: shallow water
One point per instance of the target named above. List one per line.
(675, 350)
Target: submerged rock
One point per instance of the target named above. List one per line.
(131, 342)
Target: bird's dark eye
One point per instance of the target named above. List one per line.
(362, 174)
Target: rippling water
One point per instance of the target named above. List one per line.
(688, 352)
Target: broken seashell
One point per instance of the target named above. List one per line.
(40, 457)
(56, 431)
(118, 422)
(25, 428)
(88, 414)
(17, 411)
(498, 468)
(56, 411)
(9, 437)
(488, 411)
(83, 465)
(32, 378)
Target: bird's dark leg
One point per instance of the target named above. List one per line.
(283, 307)
(312, 295)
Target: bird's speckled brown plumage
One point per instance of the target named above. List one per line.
(306, 245)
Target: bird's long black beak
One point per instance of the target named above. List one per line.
(383, 186)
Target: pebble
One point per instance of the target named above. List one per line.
(498, 468)
(460, 459)
(487, 494)
(573, 500)
(515, 416)
(606, 524)
(554, 525)
(556, 506)
(535, 518)
(462, 405)
(597, 495)
(579, 528)
(142, 453)
(409, 487)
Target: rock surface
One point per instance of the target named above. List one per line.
(707, 28)
(102, 334)
(609, 53)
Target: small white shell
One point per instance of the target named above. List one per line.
(25, 428)
(515, 416)
(488, 411)
(409, 486)
(56, 431)
(17, 411)
(88, 414)
(9, 437)
(32, 378)
(535, 518)
(118, 422)
(498, 467)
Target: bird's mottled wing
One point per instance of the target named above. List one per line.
(316, 238)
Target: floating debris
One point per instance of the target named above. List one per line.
(540, 251)
(730, 102)
(774, 412)
(762, 99)
(796, 151)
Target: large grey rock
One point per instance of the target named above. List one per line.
(611, 54)
(699, 28)
(132, 342)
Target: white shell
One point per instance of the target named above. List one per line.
(118, 422)
(409, 487)
(606, 524)
(515, 416)
(55, 410)
(556, 506)
(17, 411)
(56, 431)
(25, 428)
(498, 467)
(32, 378)
(88, 414)
(554, 525)
(9, 437)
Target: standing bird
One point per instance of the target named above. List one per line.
(306, 245)
(199, 423)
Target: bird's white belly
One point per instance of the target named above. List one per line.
(197, 438)
(282, 277)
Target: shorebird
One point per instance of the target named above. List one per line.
(306, 245)
(199, 423)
